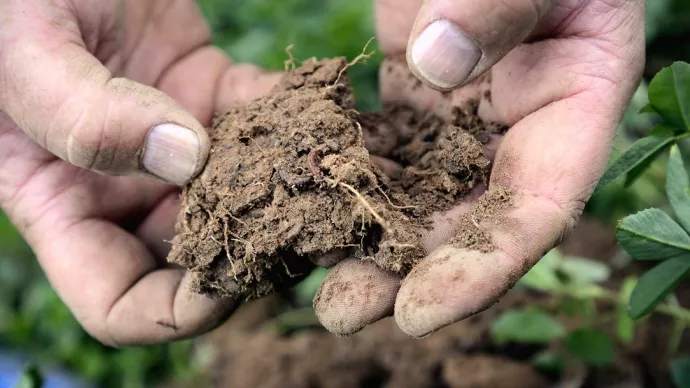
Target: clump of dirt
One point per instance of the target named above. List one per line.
(476, 222)
(289, 179)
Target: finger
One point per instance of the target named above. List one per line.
(389, 167)
(122, 297)
(452, 42)
(354, 294)
(65, 99)
(158, 229)
(345, 304)
(242, 83)
(330, 259)
(380, 136)
(399, 87)
(225, 85)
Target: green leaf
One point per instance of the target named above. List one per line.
(550, 361)
(678, 187)
(580, 270)
(542, 276)
(306, 289)
(669, 94)
(526, 326)
(625, 325)
(665, 130)
(295, 319)
(680, 371)
(582, 307)
(591, 346)
(30, 377)
(656, 284)
(637, 171)
(652, 235)
(647, 109)
(675, 337)
(662, 130)
(639, 153)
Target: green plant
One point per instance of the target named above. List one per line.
(576, 296)
(34, 321)
(30, 378)
(652, 234)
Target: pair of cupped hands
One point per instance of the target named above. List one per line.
(95, 95)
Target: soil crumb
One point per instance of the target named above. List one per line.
(476, 223)
(290, 179)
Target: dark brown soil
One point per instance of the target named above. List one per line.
(290, 179)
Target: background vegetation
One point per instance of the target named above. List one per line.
(34, 323)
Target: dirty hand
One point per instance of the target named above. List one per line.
(563, 73)
(69, 123)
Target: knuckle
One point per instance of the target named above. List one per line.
(91, 140)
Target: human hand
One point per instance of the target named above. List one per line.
(563, 73)
(64, 116)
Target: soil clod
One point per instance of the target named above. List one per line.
(289, 179)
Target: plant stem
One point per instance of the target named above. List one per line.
(599, 293)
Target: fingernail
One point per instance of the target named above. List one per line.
(444, 54)
(171, 153)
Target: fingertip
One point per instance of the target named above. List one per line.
(330, 259)
(162, 306)
(448, 286)
(355, 293)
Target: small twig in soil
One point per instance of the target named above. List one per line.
(361, 57)
(290, 62)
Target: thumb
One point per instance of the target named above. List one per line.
(454, 41)
(67, 101)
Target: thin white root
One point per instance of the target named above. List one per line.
(361, 57)
(391, 203)
(366, 204)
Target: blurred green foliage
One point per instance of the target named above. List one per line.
(34, 320)
(259, 31)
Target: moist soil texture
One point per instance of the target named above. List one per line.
(290, 179)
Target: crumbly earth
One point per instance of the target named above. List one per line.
(289, 180)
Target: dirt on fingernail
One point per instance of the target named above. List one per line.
(289, 179)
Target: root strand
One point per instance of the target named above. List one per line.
(361, 57)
